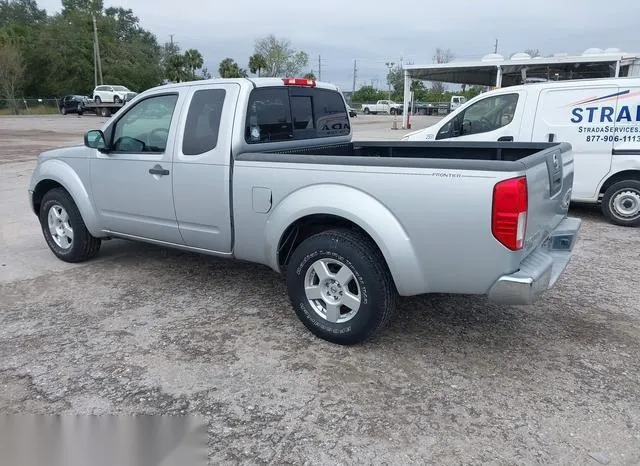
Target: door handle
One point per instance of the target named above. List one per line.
(506, 138)
(158, 170)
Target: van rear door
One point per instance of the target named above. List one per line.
(585, 117)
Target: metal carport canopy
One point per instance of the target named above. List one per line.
(457, 73)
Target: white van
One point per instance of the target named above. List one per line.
(600, 118)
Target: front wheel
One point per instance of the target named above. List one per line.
(97, 99)
(63, 228)
(63, 110)
(621, 203)
(340, 287)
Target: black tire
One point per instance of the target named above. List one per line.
(63, 110)
(618, 196)
(97, 99)
(84, 246)
(371, 282)
(366, 110)
(393, 111)
(117, 100)
(105, 112)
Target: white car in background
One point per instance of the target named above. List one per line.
(112, 94)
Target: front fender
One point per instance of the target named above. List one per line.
(370, 215)
(60, 172)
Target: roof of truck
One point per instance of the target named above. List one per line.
(257, 82)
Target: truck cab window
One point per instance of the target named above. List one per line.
(302, 111)
(485, 115)
(145, 126)
(331, 114)
(269, 116)
(203, 121)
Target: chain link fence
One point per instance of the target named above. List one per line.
(29, 107)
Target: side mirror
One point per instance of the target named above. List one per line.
(95, 139)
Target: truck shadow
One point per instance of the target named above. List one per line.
(437, 320)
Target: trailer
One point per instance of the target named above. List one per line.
(102, 109)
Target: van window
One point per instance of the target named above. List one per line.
(485, 115)
(282, 114)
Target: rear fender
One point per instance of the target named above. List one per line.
(359, 208)
(58, 171)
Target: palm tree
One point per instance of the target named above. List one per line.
(193, 61)
(229, 69)
(175, 68)
(257, 63)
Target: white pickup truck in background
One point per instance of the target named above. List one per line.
(382, 106)
(600, 118)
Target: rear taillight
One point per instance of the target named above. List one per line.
(509, 213)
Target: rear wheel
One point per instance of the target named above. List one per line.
(340, 287)
(63, 228)
(393, 111)
(63, 110)
(621, 203)
(105, 112)
(366, 111)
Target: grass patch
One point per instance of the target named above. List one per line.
(35, 110)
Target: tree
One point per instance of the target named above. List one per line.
(193, 61)
(395, 78)
(533, 53)
(257, 63)
(310, 75)
(230, 69)
(441, 56)
(280, 57)
(368, 94)
(82, 6)
(11, 71)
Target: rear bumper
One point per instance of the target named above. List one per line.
(541, 269)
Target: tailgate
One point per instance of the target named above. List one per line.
(549, 184)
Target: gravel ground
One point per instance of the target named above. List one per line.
(452, 380)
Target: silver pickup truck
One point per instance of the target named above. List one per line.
(265, 170)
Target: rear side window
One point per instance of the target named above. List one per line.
(269, 116)
(332, 118)
(284, 114)
(203, 121)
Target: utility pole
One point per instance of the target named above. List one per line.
(355, 73)
(95, 66)
(319, 68)
(495, 47)
(96, 46)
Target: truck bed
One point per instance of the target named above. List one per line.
(498, 156)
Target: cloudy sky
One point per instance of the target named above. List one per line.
(343, 30)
